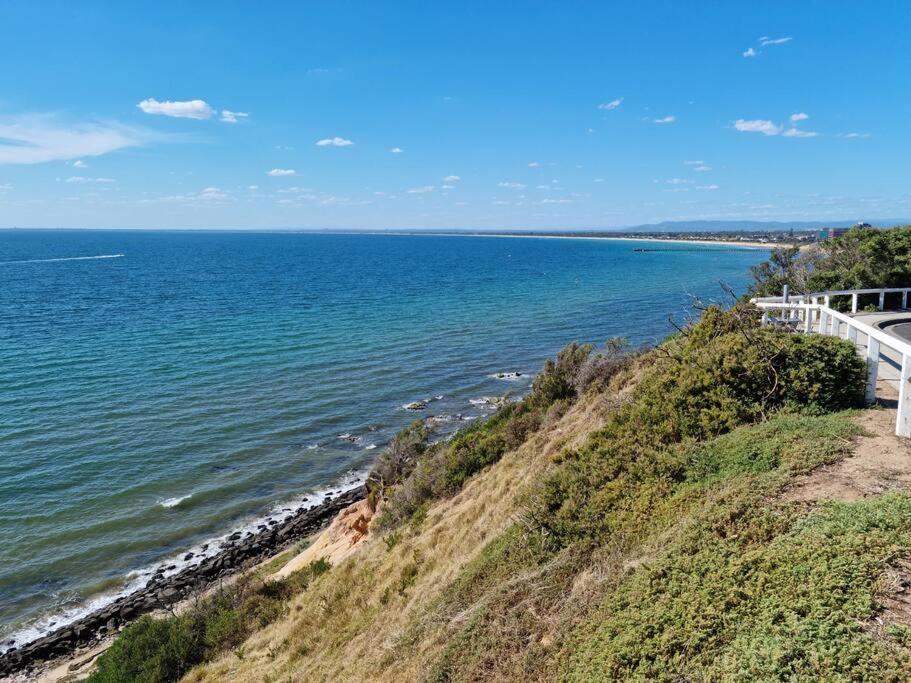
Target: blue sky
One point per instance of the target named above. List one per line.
(451, 115)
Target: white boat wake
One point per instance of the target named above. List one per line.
(68, 258)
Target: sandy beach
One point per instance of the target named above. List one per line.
(666, 240)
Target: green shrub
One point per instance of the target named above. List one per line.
(158, 650)
(152, 650)
(432, 472)
(719, 374)
(862, 258)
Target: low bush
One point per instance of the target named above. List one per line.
(410, 472)
(158, 650)
(716, 375)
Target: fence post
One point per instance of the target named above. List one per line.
(882, 300)
(903, 416)
(872, 368)
(823, 322)
(807, 320)
(905, 298)
(854, 303)
(852, 334)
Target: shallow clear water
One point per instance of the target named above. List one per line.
(192, 381)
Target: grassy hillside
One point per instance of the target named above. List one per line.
(626, 521)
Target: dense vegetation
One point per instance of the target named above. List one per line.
(410, 473)
(165, 649)
(862, 258)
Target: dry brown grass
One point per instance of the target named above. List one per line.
(351, 625)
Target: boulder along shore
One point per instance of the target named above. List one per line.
(237, 553)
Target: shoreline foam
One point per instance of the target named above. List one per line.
(163, 583)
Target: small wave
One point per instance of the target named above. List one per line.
(507, 376)
(369, 446)
(489, 402)
(174, 502)
(313, 447)
(176, 562)
(67, 258)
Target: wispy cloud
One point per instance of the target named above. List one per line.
(750, 52)
(510, 185)
(765, 41)
(767, 127)
(79, 163)
(610, 106)
(396, 150)
(421, 190)
(706, 187)
(534, 164)
(334, 142)
(206, 196)
(797, 133)
(451, 179)
(188, 109)
(281, 172)
(233, 116)
(852, 136)
(5, 187)
(757, 126)
(666, 119)
(82, 179)
(35, 139)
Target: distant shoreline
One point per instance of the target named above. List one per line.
(668, 240)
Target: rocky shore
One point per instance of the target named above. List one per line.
(238, 552)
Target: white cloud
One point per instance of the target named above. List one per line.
(451, 179)
(678, 181)
(81, 179)
(253, 188)
(6, 187)
(666, 119)
(534, 164)
(35, 139)
(694, 162)
(765, 40)
(232, 116)
(796, 133)
(799, 117)
(702, 168)
(853, 135)
(750, 52)
(208, 195)
(447, 187)
(396, 150)
(190, 109)
(79, 163)
(706, 187)
(334, 142)
(610, 106)
(422, 190)
(281, 172)
(511, 185)
(757, 126)
(556, 201)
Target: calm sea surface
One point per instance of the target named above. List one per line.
(193, 382)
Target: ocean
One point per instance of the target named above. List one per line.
(162, 389)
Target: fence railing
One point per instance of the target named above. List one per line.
(812, 313)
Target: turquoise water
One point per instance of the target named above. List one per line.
(190, 383)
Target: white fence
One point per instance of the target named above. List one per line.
(812, 313)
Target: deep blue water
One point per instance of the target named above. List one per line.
(156, 399)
